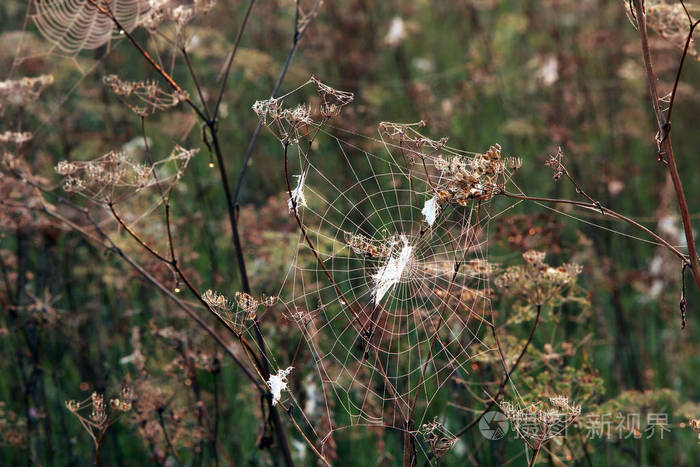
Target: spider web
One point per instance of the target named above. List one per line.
(389, 287)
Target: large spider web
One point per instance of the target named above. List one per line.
(389, 286)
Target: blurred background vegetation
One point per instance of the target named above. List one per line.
(530, 75)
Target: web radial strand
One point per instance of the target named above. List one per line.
(406, 303)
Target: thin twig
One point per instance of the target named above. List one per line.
(229, 61)
(596, 206)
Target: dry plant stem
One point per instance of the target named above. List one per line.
(232, 201)
(169, 446)
(98, 444)
(265, 368)
(665, 139)
(534, 456)
(136, 237)
(216, 415)
(409, 447)
(209, 123)
(305, 438)
(196, 83)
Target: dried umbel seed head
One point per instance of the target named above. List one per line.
(116, 175)
(695, 426)
(20, 92)
(216, 300)
(561, 402)
(364, 246)
(536, 282)
(513, 163)
(438, 438)
(288, 124)
(247, 307)
(176, 12)
(268, 301)
(444, 196)
(467, 179)
(124, 402)
(535, 258)
(268, 110)
(247, 303)
(98, 414)
(298, 120)
(332, 100)
(144, 98)
(556, 163)
(299, 115)
(73, 405)
(669, 20)
(535, 423)
(16, 138)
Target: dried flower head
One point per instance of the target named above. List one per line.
(438, 438)
(464, 179)
(362, 245)
(144, 98)
(288, 124)
(247, 303)
(14, 137)
(179, 13)
(235, 313)
(407, 138)
(513, 163)
(116, 176)
(20, 92)
(536, 282)
(537, 423)
(332, 100)
(268, 110)
(669, 20)
(556, 163)
(96, 416)
(226, 310)
(250, 304)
